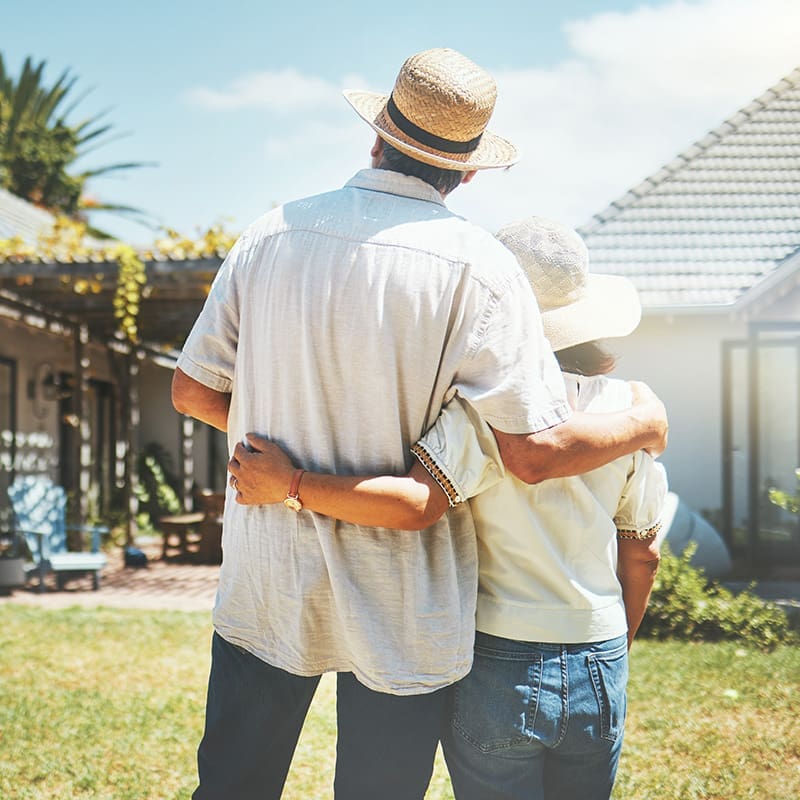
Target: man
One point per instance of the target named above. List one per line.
(337, 326)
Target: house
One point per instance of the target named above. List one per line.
(79, 400)
(712, 242)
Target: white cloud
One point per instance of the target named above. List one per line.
(284, 91)
(690, 51)
(637, 89)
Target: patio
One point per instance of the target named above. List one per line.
(169, 584)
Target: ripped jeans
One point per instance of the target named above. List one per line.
(537, 721)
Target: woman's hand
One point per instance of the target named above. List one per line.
(260, 472)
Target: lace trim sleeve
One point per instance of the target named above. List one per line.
(639, 535)
(427, 461)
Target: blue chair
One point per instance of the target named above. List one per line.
(39, 508)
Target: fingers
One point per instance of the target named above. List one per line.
(235, 469)
(258, 471)
(240, 455)
(240, 452)
(255, 441)
(233, 482)
(240, 467)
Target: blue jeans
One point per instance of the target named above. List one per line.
(538, 721)
(254, 713)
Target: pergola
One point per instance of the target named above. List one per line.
(76, 300)
(81, 294)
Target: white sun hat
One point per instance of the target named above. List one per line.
(577, 306)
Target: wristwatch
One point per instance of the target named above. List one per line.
(293, 500)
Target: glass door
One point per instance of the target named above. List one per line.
(761, 443)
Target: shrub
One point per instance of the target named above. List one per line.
(788, 502)
(157, 490)
(684, 605)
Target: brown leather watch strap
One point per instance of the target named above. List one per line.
(292, 500)
(295, 484)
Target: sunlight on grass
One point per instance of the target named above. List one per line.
(108, 704)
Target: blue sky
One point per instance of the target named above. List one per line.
(239, 104)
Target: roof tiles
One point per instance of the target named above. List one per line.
(20, 218)
(720, 217)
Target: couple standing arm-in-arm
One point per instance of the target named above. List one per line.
(337, 325)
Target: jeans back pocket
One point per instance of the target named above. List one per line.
(494, 706)
(609, 675)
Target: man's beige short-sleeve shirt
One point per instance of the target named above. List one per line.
(340, 324)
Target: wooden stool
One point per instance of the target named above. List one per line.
(179, 525)
(210, 547)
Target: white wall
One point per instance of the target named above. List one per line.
(679, 357)
(159, 422)
(38, 418)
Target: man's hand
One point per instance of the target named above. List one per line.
(648, 407)
(260, 472)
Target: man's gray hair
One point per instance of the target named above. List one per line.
(443, 180)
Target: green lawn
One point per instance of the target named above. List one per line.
(109, 704)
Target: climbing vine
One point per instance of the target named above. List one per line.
(131, 278)
(67, 241)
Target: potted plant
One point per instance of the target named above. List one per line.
(12, 562)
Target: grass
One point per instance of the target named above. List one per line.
(109, 704)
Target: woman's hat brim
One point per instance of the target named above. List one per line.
(609, 309)
(492, 152)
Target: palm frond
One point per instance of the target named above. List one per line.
(93, 173)
(23, 96)
(92, 134)
(48, 101)
(42, 113)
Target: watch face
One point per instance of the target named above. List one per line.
(293, 503)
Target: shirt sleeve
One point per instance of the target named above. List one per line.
(642, 503)
(209, 354)
(460, 452)
(511, 377)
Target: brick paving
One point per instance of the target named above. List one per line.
(164, 584)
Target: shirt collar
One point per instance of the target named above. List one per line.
(384, 180)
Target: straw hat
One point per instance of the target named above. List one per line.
(576, 306)
(437, 113)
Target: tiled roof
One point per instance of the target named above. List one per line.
(20, 218)
(717, 220)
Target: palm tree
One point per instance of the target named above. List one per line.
(38, 145)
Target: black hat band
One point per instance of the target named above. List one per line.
(428, 139)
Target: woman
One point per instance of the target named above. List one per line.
(566, 566)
